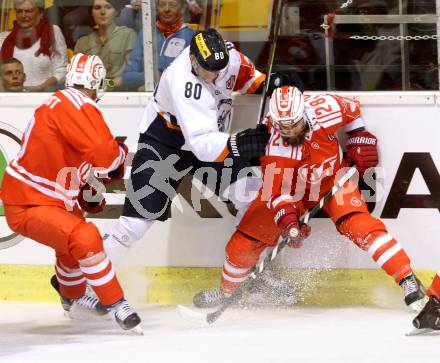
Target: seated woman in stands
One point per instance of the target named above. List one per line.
(39, 45)
(112, 43)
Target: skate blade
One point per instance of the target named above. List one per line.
(192, 315)
(137, 330)
(419, 304)
(424, 331)
(78, 313)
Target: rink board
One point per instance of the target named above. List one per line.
(177, 285)
(408, 199)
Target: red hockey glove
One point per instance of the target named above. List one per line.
(89, 200)
(286, 218)
(117, 174)
(362, 150)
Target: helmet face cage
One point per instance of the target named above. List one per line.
(286, 109)
(88, 72)
(210, 50)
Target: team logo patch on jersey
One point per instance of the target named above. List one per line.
(203, 48)
(355, 201)
(315, 145)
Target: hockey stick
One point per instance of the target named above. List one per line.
(258, 269)
(275, 28)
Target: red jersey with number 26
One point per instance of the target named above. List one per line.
(310, 167)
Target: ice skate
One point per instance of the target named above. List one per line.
(74, 307)
(270, 289)
(209, 298)
(126, 317)
(428, 320)
(414, 292)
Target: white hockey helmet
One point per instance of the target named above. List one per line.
(286, 109)
(86, 71)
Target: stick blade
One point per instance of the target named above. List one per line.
(424, 331)
(192, 315)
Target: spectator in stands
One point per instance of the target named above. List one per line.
(131, 16)
(112, 43)
(195, 11)
(172, 34)
(73, 17)
(372, 64)
(39, 45)
(13, 75)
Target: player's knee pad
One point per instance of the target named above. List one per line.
(359, 227)
(85, 240)
(243, 251)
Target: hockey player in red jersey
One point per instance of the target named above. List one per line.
(65, 142)
(303, 158)
(429, 318)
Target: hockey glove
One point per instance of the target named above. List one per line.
(362, 151)
(117, 174)
(279, 79)
(89, 200)
(286, 218)
(249, 143)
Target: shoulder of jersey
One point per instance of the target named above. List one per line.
(179, 69)
(322, 109)
(75, 98)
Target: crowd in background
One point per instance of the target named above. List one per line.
(43, 39)
(35, 52)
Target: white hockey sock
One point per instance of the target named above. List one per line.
(125, 232)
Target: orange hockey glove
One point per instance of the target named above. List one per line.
(89, 200)
(286, 218)
(362, 151)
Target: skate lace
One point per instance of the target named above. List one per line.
(410, 285)
(123, 310)
(87, 302)
(214, 294)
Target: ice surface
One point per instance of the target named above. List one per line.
(38, 332)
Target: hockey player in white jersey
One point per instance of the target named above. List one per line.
(184, 128)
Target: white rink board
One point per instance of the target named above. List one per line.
(403, 122)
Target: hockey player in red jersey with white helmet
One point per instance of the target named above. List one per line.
(66, 140)
(303, 158)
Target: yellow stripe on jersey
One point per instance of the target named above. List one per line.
(203, 48)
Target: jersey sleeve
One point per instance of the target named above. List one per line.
(351, 113)
(333, 112)
(248, 78)
(197, 118)
(86, 131)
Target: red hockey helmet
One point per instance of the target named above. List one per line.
(286, 109)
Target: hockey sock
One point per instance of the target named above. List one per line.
(100, 275)
(435, 286)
